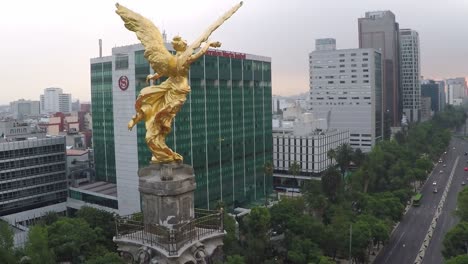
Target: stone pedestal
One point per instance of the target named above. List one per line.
(169, 232)
(167, 194)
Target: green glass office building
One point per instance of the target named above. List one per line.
(223, 130)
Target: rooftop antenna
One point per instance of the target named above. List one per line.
(164, 35)
(100, 48)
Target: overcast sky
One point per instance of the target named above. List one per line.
(48, 43)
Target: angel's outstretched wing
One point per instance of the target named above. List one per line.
(149, 35)
(204, 37)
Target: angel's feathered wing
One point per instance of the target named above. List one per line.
(149, 35)
(204, 37)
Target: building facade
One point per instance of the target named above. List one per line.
(456, 90)
(223, 130)
(380, 31)
(410, 74)
(25, 108)
(436, 91)
(306, 143)
(426, 112)
(54, 100)
(346, 89)
(32, 172)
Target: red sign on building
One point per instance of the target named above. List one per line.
(226, 54)
(123, 83)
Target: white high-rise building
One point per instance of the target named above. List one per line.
(54, 100)
(456, 90)
(410, 68)
(346, 89)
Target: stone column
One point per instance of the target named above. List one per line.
(167, 192)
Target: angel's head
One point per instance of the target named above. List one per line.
(179, 44)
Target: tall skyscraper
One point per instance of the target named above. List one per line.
(380, 31)
(346, 89)
(410, 74)
(223, 130)
(25, 108)
(54, 100)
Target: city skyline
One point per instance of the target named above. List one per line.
(65, 36)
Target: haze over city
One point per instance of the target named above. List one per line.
(49, 43)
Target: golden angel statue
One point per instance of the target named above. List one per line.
(157, 105)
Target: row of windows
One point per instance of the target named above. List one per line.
(21, 163)
(32, 203)
(33, 191)
(11, 175)
(19, 153)
(32, 182)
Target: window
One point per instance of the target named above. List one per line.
(341, 55)
(353, 54)
(365, 54)
(342, 60)
(366, 81)
(341, 71)
(365, 59)
(121, 62)
(365, 65)
(353, 65)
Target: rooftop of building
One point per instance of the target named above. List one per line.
(76, 152)
(214, 52)
(23, 137)
(99, 187)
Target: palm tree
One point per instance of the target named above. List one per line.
(294, 169)
(267, 172)
(344, 153)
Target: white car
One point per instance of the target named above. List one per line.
(445, 165)
(463, 182)
(441, 171)
(434, 183)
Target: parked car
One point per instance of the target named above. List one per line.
(463, 182)
(435, 190)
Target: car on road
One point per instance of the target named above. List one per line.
(466, 168)
(466, 153)
(445, 165)
(434, 183)
(435, 190)
(440, 161)
(441, 171)
(463, 183)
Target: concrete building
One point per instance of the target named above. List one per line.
(456, 90)
(380, 31)
(54, 100)
(307, 143)
(426, 111)
(410, 68)
(22, 109)
(223, 130)
(32, 173)
(436, 91)
(346, 89)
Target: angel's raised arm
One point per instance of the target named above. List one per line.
(204, 37)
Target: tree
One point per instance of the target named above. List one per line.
(344, 153)
(102, 221)
(456, 241)
(72, 239)
(294, 169)
(257, 224)
(49, 218)
(6, 243)
(331, 182)
(37, 247)
(284, 212)
(331, 154)
(107, 258)
(358, 157)
(268, 170)
(460, 259)
(462, 202)
(235, 259)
